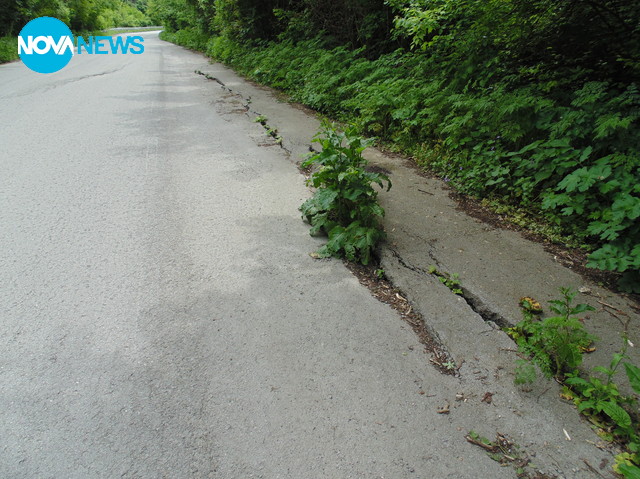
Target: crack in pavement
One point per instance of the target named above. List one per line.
(46, 88)
(464, 324)
(272, 132)
(477, 305)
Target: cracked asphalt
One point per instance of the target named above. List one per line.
(162, 317)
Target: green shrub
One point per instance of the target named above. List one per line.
(554, 344)
(190, 38)
(345, 205)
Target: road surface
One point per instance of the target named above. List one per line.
(161, 316)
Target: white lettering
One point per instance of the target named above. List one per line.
(48, 41)
(24, 47)
(63, 45)
(34, 45)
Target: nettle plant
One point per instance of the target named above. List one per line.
(345, 204)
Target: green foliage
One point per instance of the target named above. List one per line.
(595, 394)
(633, 374)
(574, 158)
(538, 40)
(84, 17)
(629, 471)
(120, 13)
(525, 372)
(8, 49)
(601, 398)
(175, 15)
(345, 205)
(188, 38)
(451, 281)
(81, 15)
(554, 344)
(15, 14)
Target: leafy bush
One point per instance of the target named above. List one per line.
(554, 344)
(188, 38)
(594, 392)
(345, 205)
(601, 399)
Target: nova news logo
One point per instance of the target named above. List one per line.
(46, 45)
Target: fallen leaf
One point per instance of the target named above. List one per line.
(566, 396)
(529, 304)
(587, 350)
(488, 398)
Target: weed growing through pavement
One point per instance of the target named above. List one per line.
(345, 204)
(451, 281)
(504, 451)
(556, 346)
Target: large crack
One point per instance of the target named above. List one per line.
(62, 83)
(84, 77)
(474, 302)
(415, 269)
(383, 289)
(212, 78)
(483, 310)
(246, 102)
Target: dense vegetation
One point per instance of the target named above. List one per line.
(80, 15)
(531, 102)
(556, 346)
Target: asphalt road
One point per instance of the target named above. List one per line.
(160, 315)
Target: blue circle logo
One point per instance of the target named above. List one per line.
(45, 45)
